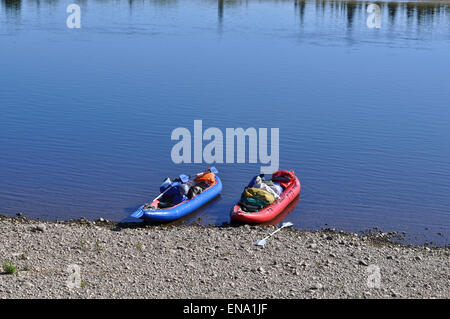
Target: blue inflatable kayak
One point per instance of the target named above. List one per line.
(180, 210)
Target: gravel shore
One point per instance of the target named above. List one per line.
(116, 261)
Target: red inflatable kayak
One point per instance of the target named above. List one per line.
(291, 186)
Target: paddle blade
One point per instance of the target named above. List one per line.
(137, 214)
(261, 242)
(214, 170)
(287, 224)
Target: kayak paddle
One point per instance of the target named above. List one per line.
(262, 242)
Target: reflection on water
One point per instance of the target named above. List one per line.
(300, 5)
(417, 12)
(420, 18)
(220, 10)
(12, 6)
(420, 14)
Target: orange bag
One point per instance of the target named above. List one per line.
(208, 177)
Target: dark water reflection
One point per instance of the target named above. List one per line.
(417, 11)
(86, 115)
(422, 14)
(12, 7)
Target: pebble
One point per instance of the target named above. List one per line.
(28, 284)
(363, 263)
(317, 286)
(41, 228)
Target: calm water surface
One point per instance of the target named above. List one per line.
(364, 114)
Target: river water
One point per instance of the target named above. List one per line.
(363, 113)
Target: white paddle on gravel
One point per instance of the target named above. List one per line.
(262, 242)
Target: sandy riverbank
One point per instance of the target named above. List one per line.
(212, 262)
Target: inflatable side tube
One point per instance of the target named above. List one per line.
(184, 208)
